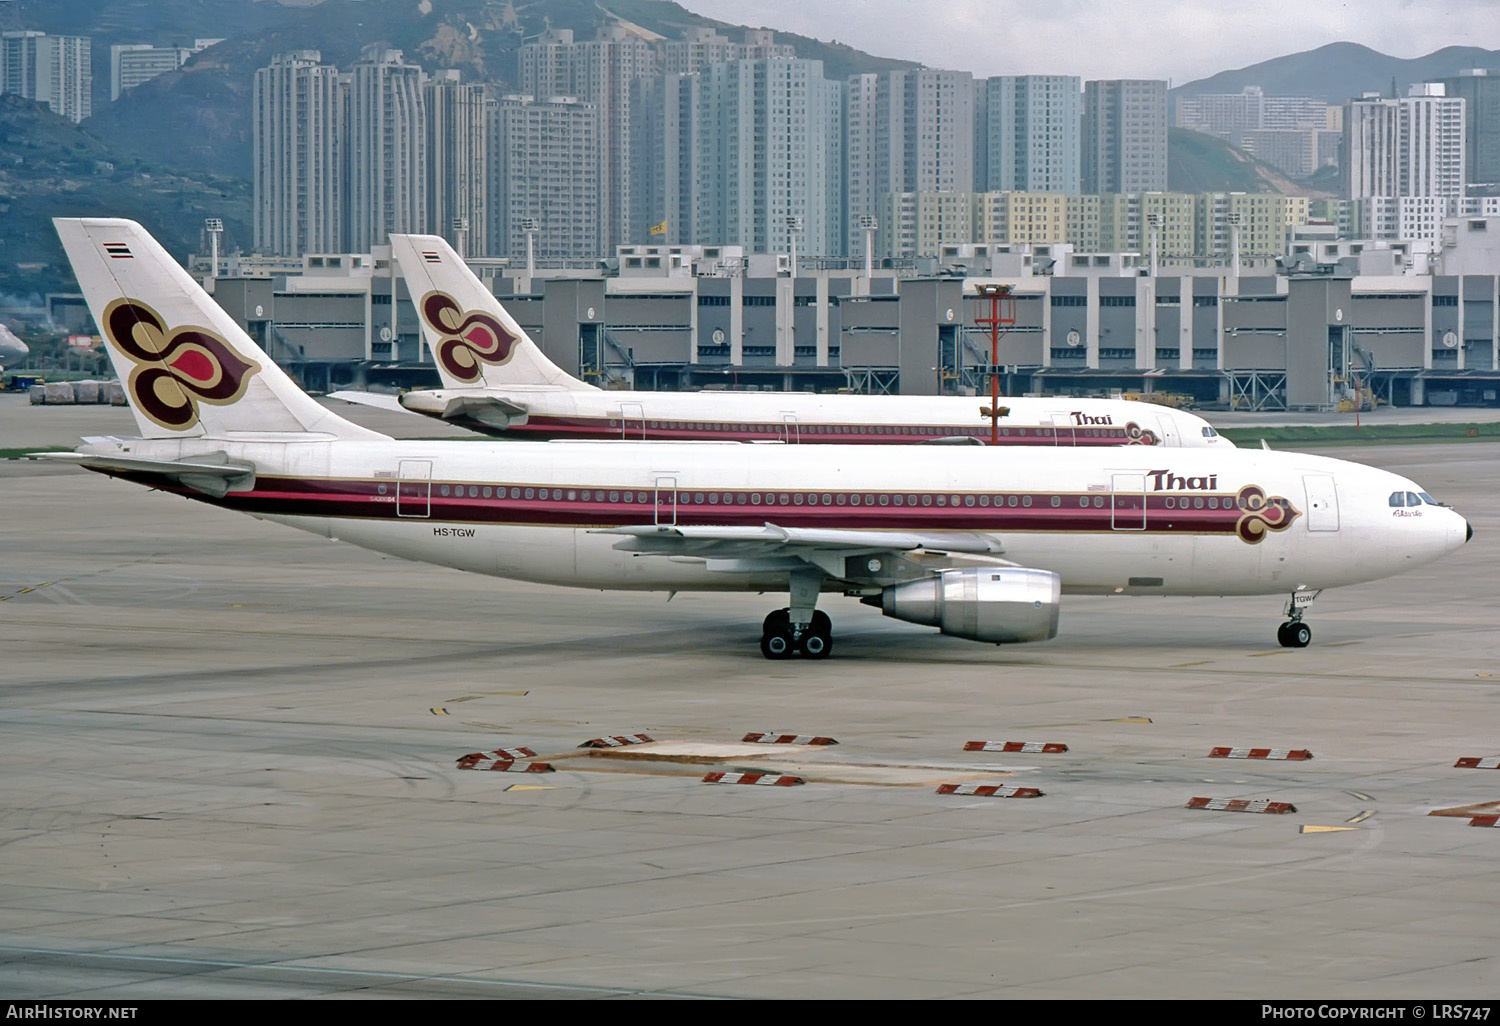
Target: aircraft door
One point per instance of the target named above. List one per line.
(632, 421)
(1062, 429)
(1169, 435)
(414, 488)
(1322, 502)
(666, 501)
(1128, 502)
(789, 431)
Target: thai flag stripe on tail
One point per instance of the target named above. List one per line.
(431, 256)
(118, 250)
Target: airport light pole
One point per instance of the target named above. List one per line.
(215, 227)
(1234, 220)
(460, 234)
(869, 226)
(1002, 314)
(531, 226)
(1154, 222)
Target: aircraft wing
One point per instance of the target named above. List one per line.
(862, 558)
(212, 473)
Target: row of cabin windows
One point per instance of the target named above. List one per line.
(833, 498)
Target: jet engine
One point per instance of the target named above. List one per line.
(1005, 604)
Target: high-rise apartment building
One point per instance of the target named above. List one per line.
(133, 64)
(1412, 146)
(599, 72)
(299, 148)
(701, 46)
(770, 150)
(544, 175)
(1031, 133)
(906, 131)
(1020, 217)
(1125, 136)
(1480, 90)
(458, 168)
(664, 159)
(387, 156)
(55, 70)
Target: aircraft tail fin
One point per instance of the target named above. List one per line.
(474, 341)
(187, 367)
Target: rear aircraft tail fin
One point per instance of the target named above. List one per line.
(187, 367)
(474, 342)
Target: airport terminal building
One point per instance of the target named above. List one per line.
(1338, 320)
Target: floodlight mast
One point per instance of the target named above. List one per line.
(1002, 315)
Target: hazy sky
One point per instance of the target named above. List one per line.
(1176, 39)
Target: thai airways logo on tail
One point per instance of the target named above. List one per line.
(175, 369)
(466, 339)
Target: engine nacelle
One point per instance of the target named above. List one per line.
(1007, 604)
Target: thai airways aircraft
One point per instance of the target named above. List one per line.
(977, 541)
(497, 381)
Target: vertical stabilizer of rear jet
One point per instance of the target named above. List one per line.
(188, 369)
(474, 342)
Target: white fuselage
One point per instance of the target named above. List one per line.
(1130, 521)
(808, 417)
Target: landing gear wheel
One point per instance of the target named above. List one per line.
(776, 644)
(817, 643)
(1294, 634)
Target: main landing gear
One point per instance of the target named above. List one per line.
(780, 639)
(800, 627)
(1294, 633)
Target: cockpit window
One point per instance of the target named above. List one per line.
(1429, 499)
(1209, 432)
(1398, 499)
(1412, 500)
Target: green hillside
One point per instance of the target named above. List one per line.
(50, 167)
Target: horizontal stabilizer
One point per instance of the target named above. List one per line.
(379, 400)
(213, 473)
(484, 409)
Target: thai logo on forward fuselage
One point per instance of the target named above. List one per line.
(466, 338)
(1166, 481)
(1134, 433)
(177, 369)
(1259, 513)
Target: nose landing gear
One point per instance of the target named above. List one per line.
(1294, 633)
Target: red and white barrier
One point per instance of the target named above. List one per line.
(767, 779)
(617, 741)
(503, 754)
(767, 738)
(1241, 805)
(1260, 753)
(1030, 747)
(1488, 821)
(506, 766)
(989, 790)
(1474, 762)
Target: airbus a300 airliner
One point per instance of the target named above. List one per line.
(978, 541)
(497, 381)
